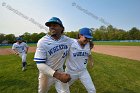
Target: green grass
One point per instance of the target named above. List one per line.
(110, 75)
(5, 46)
(13, 80)
(118, 43)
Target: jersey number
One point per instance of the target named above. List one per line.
(65, 54)
(85, 61)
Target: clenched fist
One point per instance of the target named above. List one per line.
(63, 77)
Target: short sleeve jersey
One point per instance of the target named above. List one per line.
(53, 52)
(78, 56)
(21, 48)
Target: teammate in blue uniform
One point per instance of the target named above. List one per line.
(76, 63)
(21, 48)
(50, 55)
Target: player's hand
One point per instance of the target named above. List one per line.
(63, 77)
(17, 53)
(91, 65)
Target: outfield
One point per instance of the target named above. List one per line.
(110, 75)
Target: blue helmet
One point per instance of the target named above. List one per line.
(54, 20)
(86, 32)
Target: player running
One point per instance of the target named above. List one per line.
(21, 48)
(78, 58)
(50, 55)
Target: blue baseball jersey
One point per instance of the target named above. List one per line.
(53, 52)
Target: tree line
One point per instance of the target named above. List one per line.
(102, 33)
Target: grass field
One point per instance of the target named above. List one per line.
(110, 75)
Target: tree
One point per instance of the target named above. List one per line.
(40, 35)
(122, 35)
(27, 37)
(134, 34)
(2, 37)
(101, 33)
(98, 34)
(34, 38)
(10, 38)
(72, 34)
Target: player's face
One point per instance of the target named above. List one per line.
(19, 41)
(55, 29)
(84, 40)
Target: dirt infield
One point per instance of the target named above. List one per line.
(130, 52)
(7, 51)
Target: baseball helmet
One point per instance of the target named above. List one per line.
(86, 32)
(54, 20)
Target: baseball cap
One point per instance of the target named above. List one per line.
(54, 20)
(18, 38)
(86, 32)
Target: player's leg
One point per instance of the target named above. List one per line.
(44, 83)
(74, 76)
(61, 87)
(87, 82)
(24, 61)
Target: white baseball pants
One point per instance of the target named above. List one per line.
(45, 83)
(23, 56)
(84, 78)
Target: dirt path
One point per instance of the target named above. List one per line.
(7, 51)
(131, 52)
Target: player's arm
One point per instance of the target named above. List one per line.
(14, 50)
(90, 57)
(27, 48)
(63, 77)
(40, 58)
(44, 68)
(91, 61)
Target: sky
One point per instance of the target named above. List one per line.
(20, 16)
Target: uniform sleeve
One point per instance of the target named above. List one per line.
(43, 68)
(40, 54)
(13, 47)
(71, 40)
(26, 45)
(40, 58)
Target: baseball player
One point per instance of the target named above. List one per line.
(50, 55)
(78, 58)
(21, 48)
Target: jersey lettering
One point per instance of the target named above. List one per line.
(57, 48)
(20, 47)
(80, 54)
